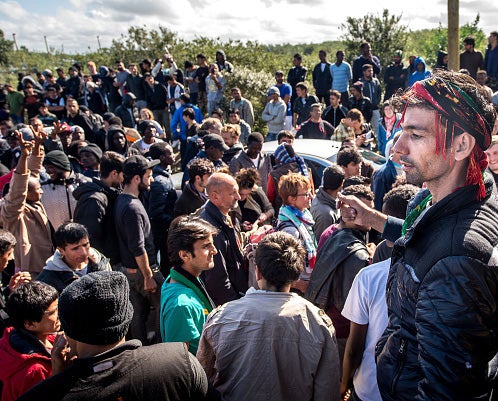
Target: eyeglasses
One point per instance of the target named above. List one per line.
(307, 194)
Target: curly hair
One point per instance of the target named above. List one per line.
(247, 178)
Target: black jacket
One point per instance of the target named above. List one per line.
(156, 97)
(188, 202)
(363, 104)
(394, 78)
(442, 296)
(228, 279)
(95, 210)
(160, 204)
(126, 112)
(322, 80)
(338, 261)
(165, 371)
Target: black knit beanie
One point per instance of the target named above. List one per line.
(96, 308)
(57, 158)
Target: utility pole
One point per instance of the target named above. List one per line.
(15, 42)
(98, 41)
(453, 35)
(46, 44)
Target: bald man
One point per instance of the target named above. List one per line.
(227, 281)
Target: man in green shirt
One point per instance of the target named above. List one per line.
(185, 302)
(15, 101)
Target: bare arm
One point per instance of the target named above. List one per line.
(353, 354)
(143, 264)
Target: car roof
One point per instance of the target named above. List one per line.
(321, 148)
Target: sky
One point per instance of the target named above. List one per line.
(73, 25)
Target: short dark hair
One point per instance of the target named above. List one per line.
(200, 167)
(7, 241)
(356, 180)
(70, 233)
(74, 147)
(298, 56)
(364, 44)
(189, 112)
(336, 93)
(366, 67)
(348, 155)
(302, 85)
(185, 97)
(255, 137)
(333, 177)
(184, 232)
(157, 150)
(469, 40)
(115, 120)
(188, 64)
(280, 258)
(111, 161)
(360, 191)
(218, 111)
(29, 302)
(396, 200)
(284, 133)
(234, 111)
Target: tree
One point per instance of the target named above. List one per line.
(6, 47)
(384, 33)
(428, 42)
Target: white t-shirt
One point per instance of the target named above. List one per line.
(366, 304)
(256, 162)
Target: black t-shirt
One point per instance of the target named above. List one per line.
(202, 73)
(134, 231)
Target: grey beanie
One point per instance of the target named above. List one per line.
(96, 308)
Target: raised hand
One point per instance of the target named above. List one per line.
(40, 135)
(26, 146)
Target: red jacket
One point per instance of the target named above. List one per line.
(19, 372)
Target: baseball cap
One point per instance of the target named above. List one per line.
(216, 141)
(273, 90)
(136, 165)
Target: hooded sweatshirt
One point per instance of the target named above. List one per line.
(24, 362)
(417, 75)
(59, 275)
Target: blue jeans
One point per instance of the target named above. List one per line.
(271, 136)
(17, 119)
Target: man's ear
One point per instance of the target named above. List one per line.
(258, 274)
(463, 145)
(184, 255)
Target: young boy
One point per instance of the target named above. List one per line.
(25, 347)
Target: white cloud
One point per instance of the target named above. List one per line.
(75, 24)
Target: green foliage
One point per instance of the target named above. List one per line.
(6, 47)
(428, 42)
(384, 33)
(254, 86)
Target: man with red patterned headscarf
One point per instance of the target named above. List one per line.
(442, 290)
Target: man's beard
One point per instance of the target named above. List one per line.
(142, 187)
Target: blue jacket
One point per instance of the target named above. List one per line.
(418, 75)
(178, 119)
(383, 181)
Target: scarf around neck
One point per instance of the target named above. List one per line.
(303, 221)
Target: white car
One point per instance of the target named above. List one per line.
(319, 154)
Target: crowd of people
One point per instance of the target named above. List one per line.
(257, 279)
